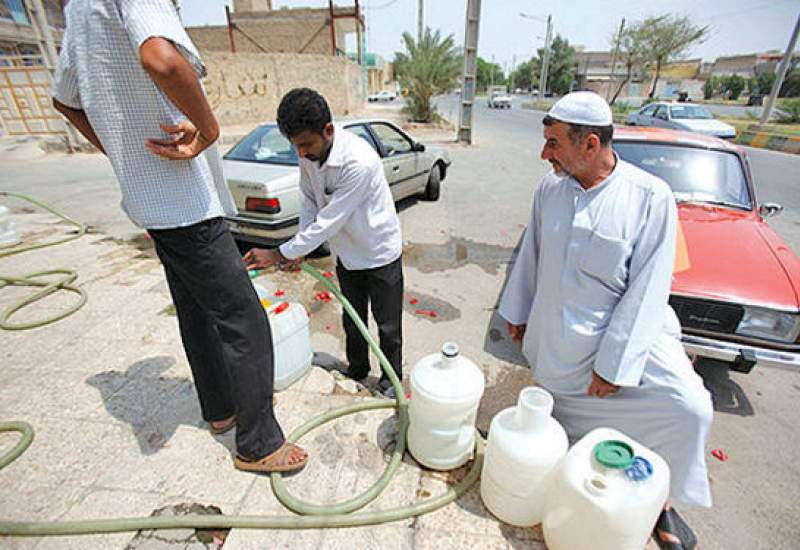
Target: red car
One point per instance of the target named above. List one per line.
(736, 285)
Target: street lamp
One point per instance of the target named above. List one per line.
(546, 60)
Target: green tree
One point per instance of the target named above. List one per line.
(765, 81)
(791, 84)
(428, 67)
(733, 86)
(526, 75)
(711, 87)
(562, 65)
(631, 52)
(666, 38)
(484, 76)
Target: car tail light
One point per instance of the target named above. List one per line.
(265, 206)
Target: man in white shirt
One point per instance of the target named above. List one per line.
(588, 298)
(128, 78)
(346, 201)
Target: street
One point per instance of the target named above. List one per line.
(456, 255)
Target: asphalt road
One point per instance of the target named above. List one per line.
(756, 417)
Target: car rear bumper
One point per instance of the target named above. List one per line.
(263, 231)
(733, 352)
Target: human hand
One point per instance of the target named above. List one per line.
(601, 388)
(285, 264)
(187, 142)
(517, 332)
(261, 258)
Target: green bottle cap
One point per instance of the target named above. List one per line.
(253, 273)
(612, 453)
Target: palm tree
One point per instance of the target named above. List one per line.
(427, 67)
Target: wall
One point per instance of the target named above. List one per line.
(246, 88)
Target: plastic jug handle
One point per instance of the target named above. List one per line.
(596, 485)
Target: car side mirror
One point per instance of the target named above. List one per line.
(769, 209)
(418, 147)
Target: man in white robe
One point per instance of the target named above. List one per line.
(588, 297)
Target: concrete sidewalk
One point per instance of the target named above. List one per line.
(119, 431)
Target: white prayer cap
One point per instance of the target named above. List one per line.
(585, 108)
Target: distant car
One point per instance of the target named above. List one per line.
(499, 100)
(263, 175)
(736, 286)
(681, 116)
(383, 95)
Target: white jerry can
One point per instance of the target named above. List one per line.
(8, 229)
(606, 494)
(446, 389)
(525, 443)
(291, 342)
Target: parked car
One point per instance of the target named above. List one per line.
(499, 100)
(681, 116)
(263, 175)
(383, 95)
(736, 285)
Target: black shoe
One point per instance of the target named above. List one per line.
(670, 522)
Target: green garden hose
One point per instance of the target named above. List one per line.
(312, 516)
(47, 286)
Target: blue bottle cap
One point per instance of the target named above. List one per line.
(639, 470)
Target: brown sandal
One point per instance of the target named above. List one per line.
(279, 461)
(226, 426)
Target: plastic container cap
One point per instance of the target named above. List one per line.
(613, 453)
(640, 470)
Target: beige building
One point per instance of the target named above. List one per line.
(256, 28)
(17, 36)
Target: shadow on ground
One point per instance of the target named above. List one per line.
(727, 395)
(153, 404)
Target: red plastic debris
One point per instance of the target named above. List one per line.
(280, 308)
(328, 275)
(427, 312)
(408, 396)
(719, 454)
(412, 301)
(280, 292)
(324, 296)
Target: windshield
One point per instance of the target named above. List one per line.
(695, 175)
(689, 111)
(264, 144)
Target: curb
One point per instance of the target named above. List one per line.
(765, 140)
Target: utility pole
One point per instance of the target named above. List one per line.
(614, 59)
(782, 68)
(513, 66)
(546, 60)
(473, 21)
(420, 21)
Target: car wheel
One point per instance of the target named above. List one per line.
(434, 183)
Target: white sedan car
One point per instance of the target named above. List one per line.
(681, 116)
(383, 95)
(264, 179)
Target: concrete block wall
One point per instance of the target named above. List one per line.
(246, 88)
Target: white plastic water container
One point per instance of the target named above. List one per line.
(525, 444)
(446, 389)
(291, 342)
(266, 293)
(8, 229)
(606, 494)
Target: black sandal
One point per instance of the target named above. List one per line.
(670, 522)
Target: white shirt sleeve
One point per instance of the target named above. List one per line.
(308, 205)
(517, 299)
(637, 320)
(352, 186)
(144, 19)
(65, 83)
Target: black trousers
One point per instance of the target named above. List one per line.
(225, 331)
(382, 288)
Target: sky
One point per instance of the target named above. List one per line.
(738, 26)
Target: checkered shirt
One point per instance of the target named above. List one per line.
(99, 71)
